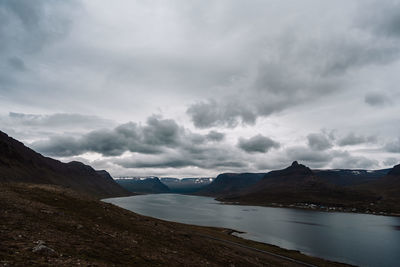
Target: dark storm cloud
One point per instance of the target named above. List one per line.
(319, 141)
(376, 99)
(257, 144)
(156, 136)
(353, 139)
(215, 136)
(210, 113)
(180, 161)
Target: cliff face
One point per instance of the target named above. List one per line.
(19, 163)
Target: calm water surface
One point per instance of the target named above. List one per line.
(359, 239)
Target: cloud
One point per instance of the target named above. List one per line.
(391, 161)
(213, 161)
(155, 137)
(346, 160)
(393, 146)
(299, 66)
(353, 139)
(215, 136)
(309, 157)
(382, 19)
(257, 144)
(287, 69)
(63, 120)
(17, 63)
(318, 141)
(376, 99)
(211, 113)
(28, 25)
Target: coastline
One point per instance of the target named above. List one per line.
(310, 208)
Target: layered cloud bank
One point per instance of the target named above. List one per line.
(235, 86)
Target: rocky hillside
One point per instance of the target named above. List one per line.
(19, 163)
(44, 225)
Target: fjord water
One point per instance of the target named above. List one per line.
(360, 239)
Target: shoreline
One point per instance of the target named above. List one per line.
(314, 208)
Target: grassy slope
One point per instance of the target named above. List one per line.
(88, 232)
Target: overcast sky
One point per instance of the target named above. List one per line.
(195, 88)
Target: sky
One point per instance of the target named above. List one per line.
(195, 88)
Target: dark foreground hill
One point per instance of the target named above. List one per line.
(19, 163)
(143, 185)
(43, 225)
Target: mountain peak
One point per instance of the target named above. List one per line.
(395, 170)
(297, 168)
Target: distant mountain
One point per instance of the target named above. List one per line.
(230, 183)
(186, 185)
(19, 163)
(149, 185)
(345, 177)
(298, 184)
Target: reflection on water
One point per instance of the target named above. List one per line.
(360, 239)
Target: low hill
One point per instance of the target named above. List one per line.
(230, 183)
(19, 163)
(143, 185)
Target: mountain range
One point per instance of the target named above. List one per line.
(298, 185)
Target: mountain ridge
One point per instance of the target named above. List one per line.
(19, 163)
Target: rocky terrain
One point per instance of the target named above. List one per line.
(44, 225)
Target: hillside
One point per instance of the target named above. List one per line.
(44, 225)
(19, 163)
(230, 183)
(388, 188)
(299, 184)
(345, 177)
(143, 185)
